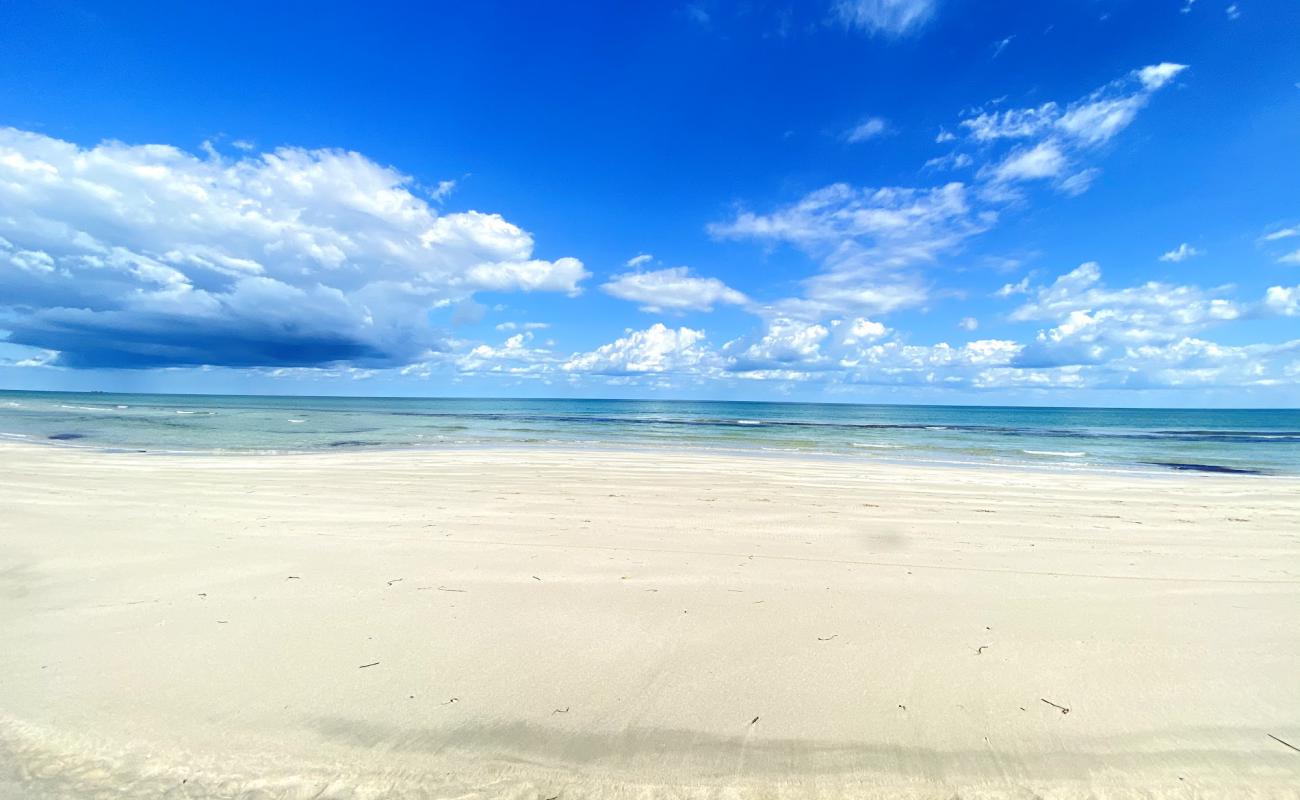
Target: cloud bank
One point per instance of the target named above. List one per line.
(140, 256)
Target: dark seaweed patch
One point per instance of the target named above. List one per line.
(352, 443)
(65, 437)
(1204, 467)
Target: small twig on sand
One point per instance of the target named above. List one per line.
(293, 578)
(536, 578)
(564, 710)
(445, 589)
(828, 638)
(754, 720)
(979, 651)
(371, 664)
(449, 702)
(1288, 744)
(394, 580)
(1063, 709)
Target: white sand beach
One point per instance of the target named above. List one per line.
(552, 624)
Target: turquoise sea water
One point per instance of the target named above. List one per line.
(1266, 441)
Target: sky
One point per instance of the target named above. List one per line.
(1083, 202)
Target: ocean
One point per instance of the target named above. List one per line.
(1230, 441)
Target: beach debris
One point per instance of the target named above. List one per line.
(536, 578)
(900, 705)
(449, 702)
(445, 589)
(1287, 744)
(1063, 709)
(394, 580)
(204, 595)
(827, 638)
(371, 664)
(979, 651)
(754, 720)
(564, 710)
(222, 621)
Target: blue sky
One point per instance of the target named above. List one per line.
(941, 201)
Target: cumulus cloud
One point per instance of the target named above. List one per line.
(1182, 252)
(1093, 322)
(887, 17)
(123, 255)
(1283, 300)
(657, 349)
(674, 289)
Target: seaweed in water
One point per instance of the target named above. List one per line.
(1205, 468)
(65, 437)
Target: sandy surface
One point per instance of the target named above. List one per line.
(540, 624)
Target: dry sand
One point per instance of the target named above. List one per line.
(541, 624)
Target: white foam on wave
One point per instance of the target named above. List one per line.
(12, 404)
(1062, 453)
(296, 421)
(936, 427)
(877, 446)
(13, 435)
(86, 408)
(748, 422)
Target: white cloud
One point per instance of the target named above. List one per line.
(1060, 137)
(1091, 320)
(1157, 75)
(888, 17)
(535, 275)
(657, 349)
(1019, 287)
(1283, 300)
(1014, 123)
(869, 128)
(1044, 160)
(1182, 252)
(1281, 233)
(1290, 258)
(636, 261)
(443, 190)
(950, 161)
(944, 136)
(968, 323)
(1233, 11)
(866, 240)
(523, 326)
(674, 289)
(1001, 45)
(296, 257)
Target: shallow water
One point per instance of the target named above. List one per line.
(1249, 441)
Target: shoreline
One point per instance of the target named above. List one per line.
(1151, 470)
(628, 624)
